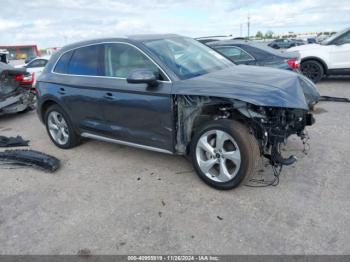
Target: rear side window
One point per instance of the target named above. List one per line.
(62, 64)
(235, 53)
(86, 61)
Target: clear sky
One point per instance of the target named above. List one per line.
(50, 23)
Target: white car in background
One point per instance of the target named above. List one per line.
(331, 57)
(35, 66)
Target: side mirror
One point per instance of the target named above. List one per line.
(142, 76)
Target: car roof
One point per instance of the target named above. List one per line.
(237, 42)
(147, 37)
(135, 38)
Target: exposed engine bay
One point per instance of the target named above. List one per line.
(271, 126)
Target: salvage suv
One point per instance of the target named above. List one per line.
(172, 94)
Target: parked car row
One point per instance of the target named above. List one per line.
(172, 94)
(286, 43)
(331, 57)
(252, 53)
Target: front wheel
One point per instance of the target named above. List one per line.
(223, 153)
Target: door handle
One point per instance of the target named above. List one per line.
(62, 91)
(109, 96)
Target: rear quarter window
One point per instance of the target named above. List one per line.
(86, 61)
(62, 64)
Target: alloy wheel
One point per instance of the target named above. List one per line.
(58, 128)
(312, 71)
(218, 155)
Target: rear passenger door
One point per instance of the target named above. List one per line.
(80, 87)
(136, 113)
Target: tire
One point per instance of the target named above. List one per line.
(56, 120)
(313, 70)
(235, 160)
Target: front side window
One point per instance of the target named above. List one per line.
(234, 53)
(330, 39)
(345, 39)
(187, 57)
(86, 61)
(120, 59)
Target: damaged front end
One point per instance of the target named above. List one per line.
(271, 126)
(16, 92)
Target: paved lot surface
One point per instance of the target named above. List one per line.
(112, 199)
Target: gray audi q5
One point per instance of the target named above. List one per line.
(172, 94)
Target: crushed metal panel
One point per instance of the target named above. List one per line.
(188, 108)
(257, 86)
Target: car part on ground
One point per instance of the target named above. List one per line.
(29, 158)
(16, 92)
(252, 53)
(13, 141)
(331, 57)
(174, 95)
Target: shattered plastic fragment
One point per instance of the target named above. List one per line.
(30, 158)
(13, 141)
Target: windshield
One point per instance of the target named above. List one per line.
(330, 39)
(187, 57)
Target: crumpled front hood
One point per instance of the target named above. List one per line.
(262, 86)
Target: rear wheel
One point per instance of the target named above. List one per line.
(59, 128)
(312, 69)
(223, 153)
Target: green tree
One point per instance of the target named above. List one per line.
(259, 35)
(269, 34)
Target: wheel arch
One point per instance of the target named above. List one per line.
(318, 59)
(195, 111)
(43, 106)
(45, 103)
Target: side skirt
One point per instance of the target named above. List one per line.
(340, 71)
(120, 142)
